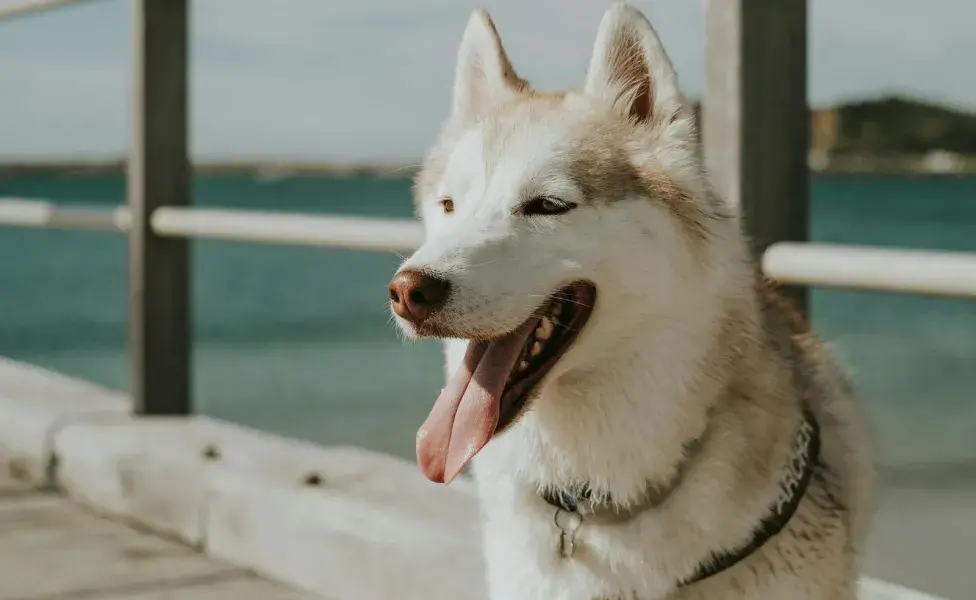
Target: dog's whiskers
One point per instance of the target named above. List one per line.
(487, 262)
(565, 297)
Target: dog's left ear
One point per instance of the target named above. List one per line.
(483, 76)
(630, 69)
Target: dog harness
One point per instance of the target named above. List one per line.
(575, 504)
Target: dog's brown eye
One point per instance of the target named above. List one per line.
(447, 204)
(547, 205)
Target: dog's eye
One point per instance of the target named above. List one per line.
(546, 205)
(447, 204)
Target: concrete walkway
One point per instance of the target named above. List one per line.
(52, 549)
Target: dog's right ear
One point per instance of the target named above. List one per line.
(483, 76)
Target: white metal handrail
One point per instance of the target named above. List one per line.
(41, 214)
(294, 229)
(928, 272)
(27, 7)
(356, 233)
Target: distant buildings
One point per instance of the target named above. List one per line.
(824, 130)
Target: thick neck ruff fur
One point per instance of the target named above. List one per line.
(526, 193)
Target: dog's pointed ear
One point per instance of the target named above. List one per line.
(483, 76)
(630, 69)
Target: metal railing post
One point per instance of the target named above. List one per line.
(159, 175)
(755, 117)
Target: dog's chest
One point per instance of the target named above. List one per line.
(536, 550)
(526, 558)
(533, 548)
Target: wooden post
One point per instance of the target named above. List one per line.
(159, 175)
(755, 121)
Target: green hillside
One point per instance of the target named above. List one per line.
(899, 126)
(896, 125)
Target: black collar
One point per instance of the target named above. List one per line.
(805, 455)
(569, 499)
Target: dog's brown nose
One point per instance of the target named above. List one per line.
(415, 295)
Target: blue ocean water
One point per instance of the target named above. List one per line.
(298, 340)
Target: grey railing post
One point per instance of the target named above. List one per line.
(755, 117)
(159, 175)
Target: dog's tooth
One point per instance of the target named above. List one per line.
(523, 365)
(536, 348)
(544, 331)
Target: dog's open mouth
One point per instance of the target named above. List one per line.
(496, 381)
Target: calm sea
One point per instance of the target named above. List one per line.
(298, 340)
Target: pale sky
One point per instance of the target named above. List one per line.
(370, 79)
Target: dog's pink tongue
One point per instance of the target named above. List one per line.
(465, 415)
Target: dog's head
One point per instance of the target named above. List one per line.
(544, 212)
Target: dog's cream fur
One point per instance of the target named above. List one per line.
(685, 343)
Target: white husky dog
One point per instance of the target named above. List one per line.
(649, 420)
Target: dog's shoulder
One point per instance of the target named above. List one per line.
(844, 476)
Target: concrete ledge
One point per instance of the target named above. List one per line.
(343, 522)
(874, 589)
(35, 404)
(347, 543)
(322, 519)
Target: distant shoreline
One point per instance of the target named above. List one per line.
(933, 163)
(261, 168)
